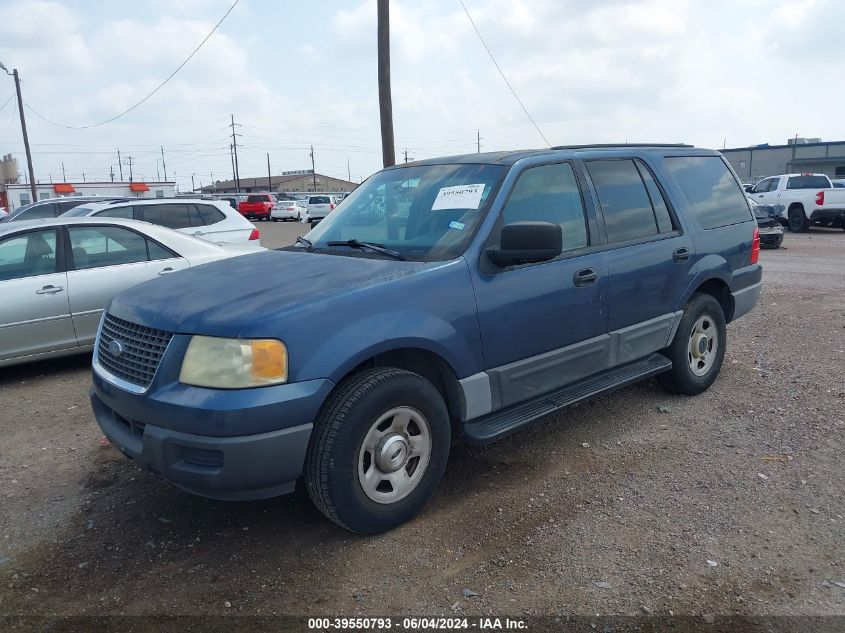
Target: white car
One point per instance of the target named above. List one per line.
(319, 206)
(57, 274)
(212, 220)
(288, 210)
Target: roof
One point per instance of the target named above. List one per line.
(511, 157)
(62, 220)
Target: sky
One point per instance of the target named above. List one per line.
(294, 74)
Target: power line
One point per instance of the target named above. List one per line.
(12, 96)
(157, 88)
(495, 63)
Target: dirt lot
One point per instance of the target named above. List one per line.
(640, 502)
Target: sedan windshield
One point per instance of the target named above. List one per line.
(424, 213)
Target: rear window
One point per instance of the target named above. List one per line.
(711, 191)
(808, 182)
(318, 200)
(258, 199)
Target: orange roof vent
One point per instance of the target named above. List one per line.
(63, 187)
(138, 187)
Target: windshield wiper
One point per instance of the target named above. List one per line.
(302, 240)
(378, 248)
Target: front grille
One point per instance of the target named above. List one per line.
(142, 350)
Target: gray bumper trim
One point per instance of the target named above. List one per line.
(746, 299)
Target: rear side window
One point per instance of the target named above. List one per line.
(807, 182)
(625, 204)
(116, 212)
(712, 193)
(658, 202)
(209, 214)
(549, 193)
(173, 216)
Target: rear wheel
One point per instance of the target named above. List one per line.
(378, 450)
(798, 220)
(698, 349)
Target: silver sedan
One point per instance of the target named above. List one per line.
(57, 274)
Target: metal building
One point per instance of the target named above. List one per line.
(759, 161)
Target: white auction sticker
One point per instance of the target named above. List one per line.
(459, 197)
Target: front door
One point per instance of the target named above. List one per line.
(543, 325)
(34, 309)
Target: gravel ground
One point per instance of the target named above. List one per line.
(640, 502)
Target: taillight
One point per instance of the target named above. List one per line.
(331, 206)
(255, 235)
(755, 246)
(820, 198)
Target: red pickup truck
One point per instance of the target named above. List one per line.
(257, 206)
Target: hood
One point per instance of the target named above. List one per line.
(220, 298)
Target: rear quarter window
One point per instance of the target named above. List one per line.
(712, 193)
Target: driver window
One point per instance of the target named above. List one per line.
(549, 193)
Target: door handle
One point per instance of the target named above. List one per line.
(585, 277)
(680, 254)
(196, 233)
(165, 271)
(49, 290)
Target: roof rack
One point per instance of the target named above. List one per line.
(611, 145)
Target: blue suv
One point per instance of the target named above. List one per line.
(450, 299)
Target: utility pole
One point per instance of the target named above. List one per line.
(385, 102)
(14, 74)
(406, 154)
(163, 165)
(83, 176)
(193, 188)
(232, 158)
(269, 180)
(211, 173)
(235, 150)
(120, 165)
(478, 140)
(64, 176)
(314, 173)
(111, 172)
(130, 168)
(158, 176)
(348, 171)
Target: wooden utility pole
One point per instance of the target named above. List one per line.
(25, 135)
(120, 165)
(235, 150)
(130, 168)
(269, 179)
(313, 173)
(385, 101)
(232, 158)
(478, 140)
(64, 176)
(163, 165)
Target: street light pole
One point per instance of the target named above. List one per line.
(14, 74)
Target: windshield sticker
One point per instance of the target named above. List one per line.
(459, 197)
(454, 224)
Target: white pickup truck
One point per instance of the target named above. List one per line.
(799, 199)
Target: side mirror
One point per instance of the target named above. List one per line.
(527, 242)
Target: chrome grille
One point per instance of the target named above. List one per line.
(142, 350)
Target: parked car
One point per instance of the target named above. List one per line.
(768, 223)
(319, 207)
(57, 274)
(212, 220)
(288, 210)
(838, 184)
(54, 207)
(257, 206)
(830, 209)
(793, 196)
(521, 283)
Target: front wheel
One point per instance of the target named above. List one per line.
(378, 450)
(698, 349)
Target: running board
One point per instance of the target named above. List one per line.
(495, 426)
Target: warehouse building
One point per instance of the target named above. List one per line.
(798, 155)
(290, 182)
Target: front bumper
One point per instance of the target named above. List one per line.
(238, 444)
(227, 468)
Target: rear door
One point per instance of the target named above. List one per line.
(35, 315)
(106, 260)
(649, 256)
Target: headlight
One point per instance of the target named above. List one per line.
(229, 363)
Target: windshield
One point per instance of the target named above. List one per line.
(258, 199)
(426, 212)
(78, 212)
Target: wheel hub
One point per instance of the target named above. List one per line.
(391, 453)
(700, 345)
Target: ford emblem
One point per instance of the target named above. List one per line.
(116, 348)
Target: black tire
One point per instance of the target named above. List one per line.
(331, 465)
(681, 379)
(798, 220)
